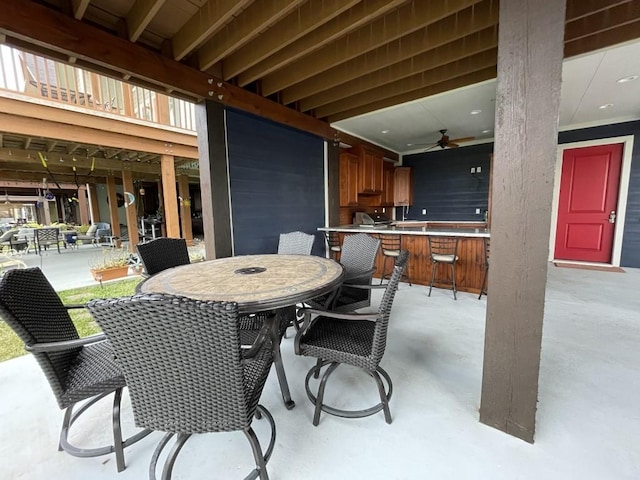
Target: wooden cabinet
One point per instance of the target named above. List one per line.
(403, 187)
(349, 165)
(370, 175)
(388, 184)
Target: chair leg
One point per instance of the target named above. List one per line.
(117, 430)
(434, 265)
(261, 464)
(383, 396)
(453, 279)
(323, 384)
(173, 455)
(384, 268)
(484, 281)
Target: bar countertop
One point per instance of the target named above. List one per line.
(408, 229)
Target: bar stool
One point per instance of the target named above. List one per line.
(333, 245)
(487, 249)
(443, 250)
(391, 244)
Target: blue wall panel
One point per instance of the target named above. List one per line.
(276, 177)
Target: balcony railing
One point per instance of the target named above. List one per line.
(41, 77)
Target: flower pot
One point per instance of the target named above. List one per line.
(110, 273)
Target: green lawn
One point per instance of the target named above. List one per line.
(11, 346)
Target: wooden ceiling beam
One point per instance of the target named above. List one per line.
(140, 16)
(583, 8)
(476, 27)
(210, 18)
(33, 26)
(72, 148)
(79, 8)
(31, 184)
(83, 164)
(410, 17)
(51, 144)
(614, 17)
(244, 28)
(35, 178)
(441, 56)
(459, 82)
(305, 19)
(350, 20)
(614, 36)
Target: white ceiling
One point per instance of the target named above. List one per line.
(588, 82)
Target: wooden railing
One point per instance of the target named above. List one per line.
(41, 77)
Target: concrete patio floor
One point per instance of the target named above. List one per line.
(588, 421)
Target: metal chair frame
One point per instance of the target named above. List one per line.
(343, 338)
(443, 250)
(45, 237)
(334, 247)
(487, 252)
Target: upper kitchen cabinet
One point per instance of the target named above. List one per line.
(370, 178)
(388, 184)
(349, 165)
(403, 187)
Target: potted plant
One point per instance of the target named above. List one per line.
(113, 263)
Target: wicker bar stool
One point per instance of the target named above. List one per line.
(391, 245)
(334, 248)
(443, 250)
(487, 251)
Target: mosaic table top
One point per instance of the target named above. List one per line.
(255, 282)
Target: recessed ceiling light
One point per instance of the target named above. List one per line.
(486, 131)
(630, 78)
(384, 131)
(475, 112)
(409, 144)
(606, 105)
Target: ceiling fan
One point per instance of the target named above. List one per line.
(446, 142)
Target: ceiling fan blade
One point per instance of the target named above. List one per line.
(431, 147)
(452, 145)
(461, 140)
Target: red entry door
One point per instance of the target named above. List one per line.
(587, 206)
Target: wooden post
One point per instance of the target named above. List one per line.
(170, 196)
(95, 206)
(83, 205)
(530, 52)
(114, 219)
(130, 210)
(333, 182)
(214, 179)
(185, 209)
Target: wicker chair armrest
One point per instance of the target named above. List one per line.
(66, 345)
(340, 315)
(72, 306)
(355, 275)
(250, 351)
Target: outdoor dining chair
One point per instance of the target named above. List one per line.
(46, 237)
(295, 243)
(358, 258)
(186, 372)
(80, 371)
(443, 250)
(357, 339)
(162, 253)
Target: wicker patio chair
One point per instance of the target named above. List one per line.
(46, 237)
(186, 373)
(295, 243)
(358, 257)
(357, 339)
(162, 253)
(77, 369)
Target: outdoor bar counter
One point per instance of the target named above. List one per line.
(470, 266)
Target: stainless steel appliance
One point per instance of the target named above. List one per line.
(363, 219)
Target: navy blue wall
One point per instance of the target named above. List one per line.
(444, 186)
(276, 177)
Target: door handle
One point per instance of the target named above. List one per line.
(612, 216)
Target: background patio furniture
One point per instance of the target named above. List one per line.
(45, 237)
(295, 243)
(77, 368)
(390, 246)
(357, 339)
(443, 250)
(358, 258)
(487, 254)
(333, 244)
(185, 369)
(162, 253)
(96, 233)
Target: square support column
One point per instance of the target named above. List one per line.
(114, 218)
(170, 196)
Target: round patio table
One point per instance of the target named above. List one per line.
(257, 283)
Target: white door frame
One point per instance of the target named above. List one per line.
(621, 211)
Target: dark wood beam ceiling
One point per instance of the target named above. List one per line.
(299, 62)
